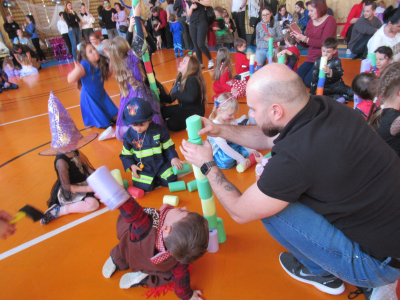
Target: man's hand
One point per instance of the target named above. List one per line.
(209, 128)
(135, 169)
(6, 229)
(196, 295)
(175, 162)
(196, 154)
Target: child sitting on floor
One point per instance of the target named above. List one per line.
(364, 86)
(148, 148)
(224, 37)
(8, 67)
(384, 56)
(223, 76)
(27, 68)
(242, 62)
(227, 154)
(291, 45)
(291, 59)
(157, 246)
(334, 85)
(4, 84)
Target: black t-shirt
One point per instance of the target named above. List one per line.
(190, 99)
(199, 14)
(329, 159)
(106, 18)
(11, 29)
(383, 128)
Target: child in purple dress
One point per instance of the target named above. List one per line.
(129, 75)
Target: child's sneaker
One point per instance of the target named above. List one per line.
(176, 55)
(50, 214)
(109, 268)
(133, 279)
(210, 64)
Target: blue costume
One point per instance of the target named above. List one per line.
(4, 80)
(155, 149)
(96, 106)
(177, 29)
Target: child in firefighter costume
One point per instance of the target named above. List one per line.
(148, 150)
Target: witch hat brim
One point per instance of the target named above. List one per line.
(71, 147)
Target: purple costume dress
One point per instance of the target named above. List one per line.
(142, 91)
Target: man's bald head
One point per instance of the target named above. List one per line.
(276, 83)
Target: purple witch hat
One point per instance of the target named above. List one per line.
(65, 136)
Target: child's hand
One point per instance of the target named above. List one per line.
(248, 163)
(138, 10)
(6, 84)
(79, 67)
(234, 91)
(258, 156)
(230, 30)
(175, 162)
(326, 69)
(257, 177)
(196, 295)
(134, 169)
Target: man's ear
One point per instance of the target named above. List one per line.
(276, 111)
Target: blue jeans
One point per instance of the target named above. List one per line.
(261, 57)
(305, 72)
(325, 250)
(12, 86)
(75, 37)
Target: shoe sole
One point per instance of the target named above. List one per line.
(127, 281)
(319, 286)
(109, 268)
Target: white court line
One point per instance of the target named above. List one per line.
(52, 233)
(73, 106)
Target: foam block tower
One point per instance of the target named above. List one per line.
(270, 50)
(251, 64)
(321, 76)
(193, 125)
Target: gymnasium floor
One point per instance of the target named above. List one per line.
(63, 260)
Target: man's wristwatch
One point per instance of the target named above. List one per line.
(206, 167)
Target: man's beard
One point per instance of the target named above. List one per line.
(269, 129)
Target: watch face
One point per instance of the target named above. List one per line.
(204, 169)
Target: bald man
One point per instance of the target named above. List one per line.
(330, 194)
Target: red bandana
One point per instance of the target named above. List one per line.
(163, 254)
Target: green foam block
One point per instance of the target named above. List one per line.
(267, 155)
(204, 187)
(372, 57)
(271, 47)
(193, 125)
(281, 59)
(196, 141)
(185, 169)
(221, 231)
(212, 221)
(192, 186)
(321, 74)
(177, 186)
(126, 185)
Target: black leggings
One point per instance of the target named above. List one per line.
(39, 51)
(198, 32)
(176, 117)
(65, 36)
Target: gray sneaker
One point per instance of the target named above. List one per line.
(328, 284)
(387, 292)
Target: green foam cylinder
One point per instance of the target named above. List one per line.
(171, 200)
(208, 206)
(271, 47)
(126, 185)
(192, 186)
(321, 74)
(193, 125)
(177, 186)
(281, 59)
(196, 141)
(185, 169)
(372, 57)
(267, 155)
(221, 231)
(204, 187)
(212, 221)
(197, 173)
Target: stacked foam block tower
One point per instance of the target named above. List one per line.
(216, 225)
(321, 76)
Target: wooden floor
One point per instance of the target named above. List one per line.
(66, 262)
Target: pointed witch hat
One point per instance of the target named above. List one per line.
(64, 134)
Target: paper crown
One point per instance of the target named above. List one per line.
(64, 134)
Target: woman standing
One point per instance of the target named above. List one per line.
(74, 32)
(266, 29)
(121, 18)
(319, 28)
(301, 16)
(101, 23)
(190, 90)
(91, 70)
(198, 29)
(32, 32)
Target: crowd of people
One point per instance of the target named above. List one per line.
(316, 195)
